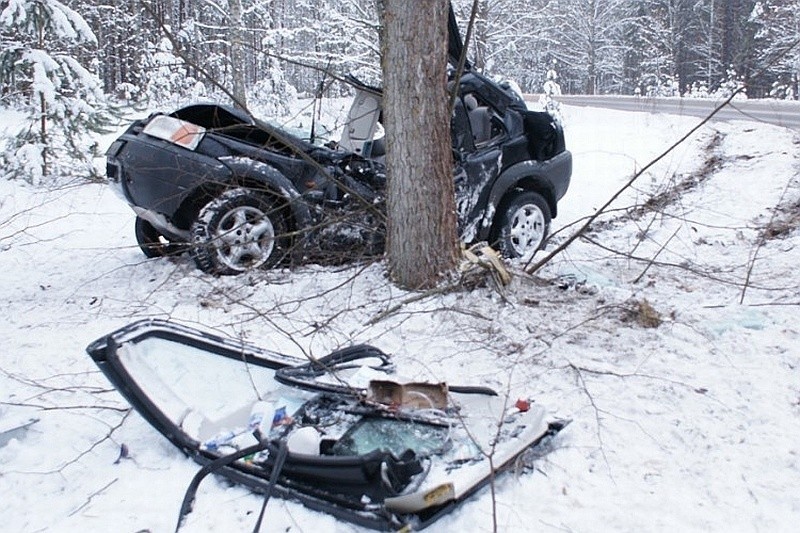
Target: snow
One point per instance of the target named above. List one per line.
(13, 13)
(59, 19)
(693, 425)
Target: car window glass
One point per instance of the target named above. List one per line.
(392, 435)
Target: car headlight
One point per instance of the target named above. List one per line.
(176, 131)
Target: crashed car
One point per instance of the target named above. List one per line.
(339, 434)
(239, 193)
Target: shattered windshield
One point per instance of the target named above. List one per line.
(392, 435)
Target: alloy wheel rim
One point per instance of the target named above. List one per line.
(527, 229)
(245, 238)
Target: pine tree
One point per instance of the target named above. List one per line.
(58, 96)
(778, 40)
(166, 81)
(126, 33)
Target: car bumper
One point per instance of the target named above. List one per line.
(118, 181)
(559, 173)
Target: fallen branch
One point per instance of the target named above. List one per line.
(597, 412)
(107, 436)
(687, 268)
(444, 289)
(560, 248)
(66, 407)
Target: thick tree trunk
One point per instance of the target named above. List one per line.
(421, 233)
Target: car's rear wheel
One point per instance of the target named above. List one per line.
(153, 243)
(240, 230)
(523, 224)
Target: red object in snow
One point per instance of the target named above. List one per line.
(523, 405)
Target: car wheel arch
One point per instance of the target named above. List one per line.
(537, 184)
(508, 185)
(276, 185)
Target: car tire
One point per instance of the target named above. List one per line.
(523, 225)
(238, 231)
(153, 243)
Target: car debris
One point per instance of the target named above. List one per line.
(340, 434)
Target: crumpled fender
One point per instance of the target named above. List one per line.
(549, 178)
(249, 170)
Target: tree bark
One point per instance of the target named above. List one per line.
(238, 70)
(421, 229)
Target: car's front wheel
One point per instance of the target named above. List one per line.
(153, 243)
(523, 225)
(240, 230)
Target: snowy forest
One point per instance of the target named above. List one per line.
(598, 46)
(63, 64)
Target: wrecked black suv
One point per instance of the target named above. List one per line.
(238, 193)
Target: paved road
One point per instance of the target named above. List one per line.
(779, 113)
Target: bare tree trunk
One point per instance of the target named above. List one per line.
(481, 35)
(238, 70)
(43, 107)
(43, 133)
(421, 233)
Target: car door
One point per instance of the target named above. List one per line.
(478, 161)
(362, 121)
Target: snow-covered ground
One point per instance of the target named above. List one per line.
(693, 425)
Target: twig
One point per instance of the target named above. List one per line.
(650, 263)
(579, 373)
(560, 248)
(694, 271)
(92, 495)
(762, 304)
(462, 61)
(444, 289)
(66, 407)
(108, 436)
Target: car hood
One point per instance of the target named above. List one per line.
(455, 45)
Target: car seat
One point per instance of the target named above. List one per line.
(480, 119)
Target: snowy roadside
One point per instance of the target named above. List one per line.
(692, 425)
